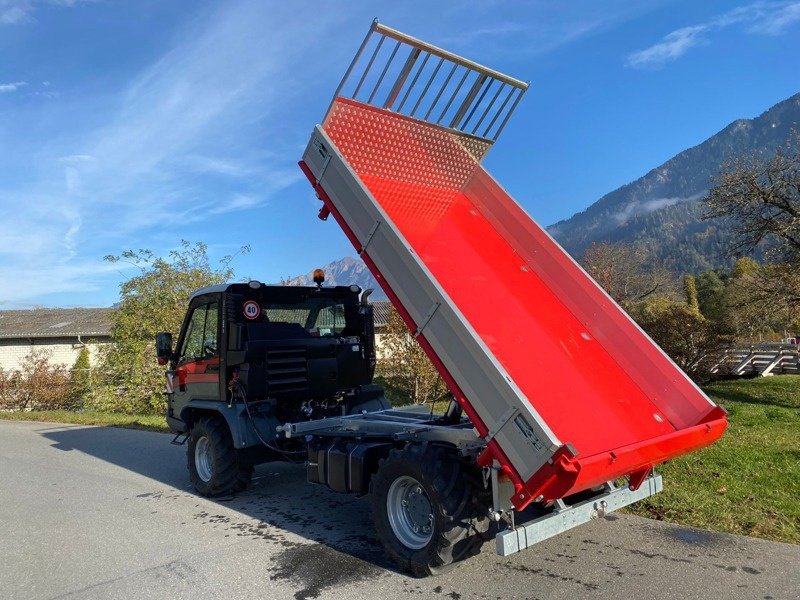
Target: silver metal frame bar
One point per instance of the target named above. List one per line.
(473, 92)
(441, 91)
(413, 82)
(385, 423)
(435, 50)
(369, 66)
(489, 107)
(499, 112)
(401, 79)
(565, 517)
(383, 73)
(427, 85)
(453, 96)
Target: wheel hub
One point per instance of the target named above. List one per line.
(203, 459)
(410, 512)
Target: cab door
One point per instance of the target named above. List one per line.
(197, 370)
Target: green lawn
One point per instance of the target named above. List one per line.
(749, 481)
(147, 422)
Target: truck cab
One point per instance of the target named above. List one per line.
(251, 357)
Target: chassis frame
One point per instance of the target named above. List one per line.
(415, 425)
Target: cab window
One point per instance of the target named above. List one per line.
(200, 341)
(323, 316)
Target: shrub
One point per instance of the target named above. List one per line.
(36, 385)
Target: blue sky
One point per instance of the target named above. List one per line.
(136, 124)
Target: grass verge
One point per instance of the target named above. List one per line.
(749, 481)
(146, 422)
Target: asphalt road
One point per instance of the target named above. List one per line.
(108, 513)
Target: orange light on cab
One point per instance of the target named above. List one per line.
(319, 277)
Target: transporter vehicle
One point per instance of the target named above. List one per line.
(558, 396)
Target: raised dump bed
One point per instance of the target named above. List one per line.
(567, 391)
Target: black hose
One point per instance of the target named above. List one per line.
(237, 390)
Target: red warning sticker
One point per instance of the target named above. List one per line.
(251, 309)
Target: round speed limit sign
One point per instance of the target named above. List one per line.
(251, 309)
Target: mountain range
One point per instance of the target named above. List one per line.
(660, 210)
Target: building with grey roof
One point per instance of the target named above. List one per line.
(61, 332)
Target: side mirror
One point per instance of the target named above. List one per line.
(163, 347)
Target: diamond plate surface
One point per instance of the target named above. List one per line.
(391, 146)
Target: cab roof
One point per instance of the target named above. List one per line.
(224, 287)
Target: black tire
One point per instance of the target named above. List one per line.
(224, 472)
(458, 504)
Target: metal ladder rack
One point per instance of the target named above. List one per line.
(419, 80)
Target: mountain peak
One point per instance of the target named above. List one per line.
(345, 271)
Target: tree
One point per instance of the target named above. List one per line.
(684, 334)
(406, 368)
(711, 296)
(762, 199)
(690, 291)
(82, 378)
(153, 300)
(626, 272)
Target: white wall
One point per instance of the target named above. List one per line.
(62, 351)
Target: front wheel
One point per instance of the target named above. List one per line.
(214, 465)
(428, 508)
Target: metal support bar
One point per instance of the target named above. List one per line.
(427, 85)
(498, 113)
(535, 531)
(452, 97)
(441, 91)
(352, 64)
(477, 103)
(383, 73)
(508, 115)
(401, 79)
(489, 108)
(471, 65)
(369, 66)
(377, 424)
(473, 92)
(427, 319)
(413, 81)
(507, 416)
(370, 235)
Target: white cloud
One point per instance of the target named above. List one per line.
(6, 88)
(13, 12)
(776, 22)
(197, 116)
(636, 208)
(764, 18)
(673, 46)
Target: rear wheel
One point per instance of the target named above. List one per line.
(215, 467)
(428, 508)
